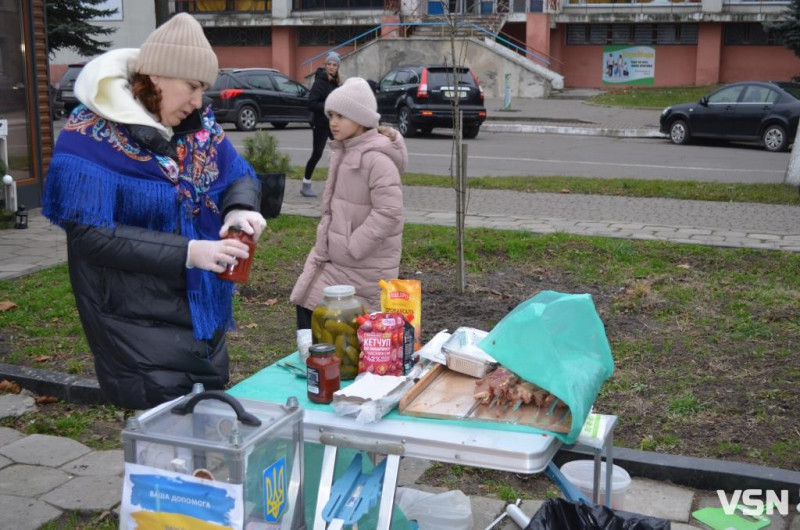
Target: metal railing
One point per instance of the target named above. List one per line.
(404, 27)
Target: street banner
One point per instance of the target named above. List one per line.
(629, 65)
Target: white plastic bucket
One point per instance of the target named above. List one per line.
(581, 473)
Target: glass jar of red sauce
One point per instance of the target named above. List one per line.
(239, 272)
(322, 372)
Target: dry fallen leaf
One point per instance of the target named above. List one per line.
(8, 387)
(271, 302)
(44, 400)
(42, 359)
(565, 190)
(684, 266)
(7, 305)
(251, 325)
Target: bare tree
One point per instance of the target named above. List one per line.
(458, 170)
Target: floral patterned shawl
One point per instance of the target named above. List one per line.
(99, 176)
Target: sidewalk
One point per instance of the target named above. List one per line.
(43, 476)
(764, 226)
(570, 115)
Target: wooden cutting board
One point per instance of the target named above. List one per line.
(445, 394)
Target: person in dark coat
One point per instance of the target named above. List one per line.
(326, 80)
(146, 185)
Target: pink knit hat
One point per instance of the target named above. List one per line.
(355, 101)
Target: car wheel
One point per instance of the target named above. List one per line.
(404, 124)
(471, 132)
(679, 132)
(774, 138)
(247, 118)
(279, 124)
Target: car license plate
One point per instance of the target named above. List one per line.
(451, 93)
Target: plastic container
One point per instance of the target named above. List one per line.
(581, 473)
(334, 322)
(322, 373)
(212, 454)
(240, 272)
(464, 356)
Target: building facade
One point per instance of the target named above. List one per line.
(26, 139)
(658, 42)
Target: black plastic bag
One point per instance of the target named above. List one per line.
(561, 514)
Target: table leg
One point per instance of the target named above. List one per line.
(388, 492)
(325, 484)
(609, 449)
(596, 477)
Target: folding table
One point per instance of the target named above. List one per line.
(503, 447)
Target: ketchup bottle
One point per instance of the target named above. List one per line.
(240, 272)
(322, 372)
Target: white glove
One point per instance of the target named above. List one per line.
(250, 222)
(215, 256)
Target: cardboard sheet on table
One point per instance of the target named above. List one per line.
(275, 384)
(445, 394)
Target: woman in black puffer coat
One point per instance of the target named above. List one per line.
(326, 80)
(146, 185)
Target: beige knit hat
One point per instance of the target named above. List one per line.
(179, 49)
(355, 101)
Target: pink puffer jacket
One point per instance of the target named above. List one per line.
(359, 238)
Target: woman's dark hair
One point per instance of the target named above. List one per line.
(145, 91)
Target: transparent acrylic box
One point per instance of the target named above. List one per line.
(182, 457)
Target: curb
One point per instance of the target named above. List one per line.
(65, 387)
(585, 131)
(692, 472)
(698, 473)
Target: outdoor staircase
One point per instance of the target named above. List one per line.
(462, 24)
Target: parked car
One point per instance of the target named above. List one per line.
(65, 99)
(765, 112)
(419, 98)
(249, 96)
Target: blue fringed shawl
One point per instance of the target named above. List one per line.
(98, 176)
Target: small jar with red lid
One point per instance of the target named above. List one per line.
(240, 272)
(322, 372)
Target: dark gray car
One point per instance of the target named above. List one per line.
(765, 112)
(65, 99)
(419, 98)
(249, 96)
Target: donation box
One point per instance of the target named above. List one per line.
(208, 460)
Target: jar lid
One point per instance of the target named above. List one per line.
(339, 291)
(321, 349)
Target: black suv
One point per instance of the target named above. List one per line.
(248, 96)
(421, 98)
(65, 99)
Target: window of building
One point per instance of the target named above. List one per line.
(13, 93)
(331, 36)
(644, 34)
(741, 34)
(221, 6)
(239, 36)
(321, 5)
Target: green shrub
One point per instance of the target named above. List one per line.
(261, 150)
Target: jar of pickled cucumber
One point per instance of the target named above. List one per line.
(334, 322)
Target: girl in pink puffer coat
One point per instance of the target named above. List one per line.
(359, 238)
